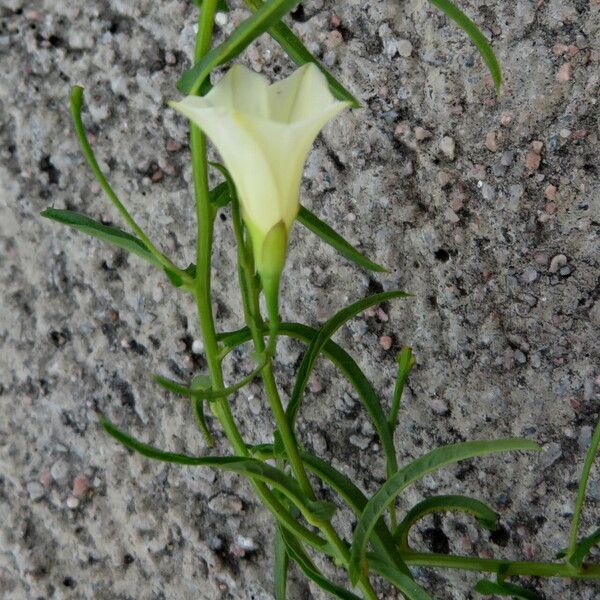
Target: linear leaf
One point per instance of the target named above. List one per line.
(335, 240)
(106, 233)
(408, 586)
(115, 236)
(198, 411)
(583, 483)
(297, 51)
(480, 41)
(503, 588)
(202, 393)
(250, 467)
(316, 345)
(431, 461)
(282, 563)
(297, 553)
(406, 362)
(583, 548)
(482, 512)
(264, 18)
(347, 365)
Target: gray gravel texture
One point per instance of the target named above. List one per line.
(487, 209)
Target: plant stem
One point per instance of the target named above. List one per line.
(203, 295)
(76, 104)
(250, 294)
(490, 565)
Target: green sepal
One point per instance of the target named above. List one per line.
(269, 264)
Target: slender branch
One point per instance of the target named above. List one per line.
(202, 292)
(508, 568)
(250, 293)
(76, 104)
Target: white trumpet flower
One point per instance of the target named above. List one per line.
(264, 134)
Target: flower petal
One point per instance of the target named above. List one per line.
(242, 90)
(243, 157)
(303, 95)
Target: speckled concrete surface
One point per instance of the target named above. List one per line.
(487, 209)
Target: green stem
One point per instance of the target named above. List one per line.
(76, 104)
(250, 294)
(203, 295)
(585, 475)
(508, 568)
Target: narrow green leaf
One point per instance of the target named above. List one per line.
(408, 586)
(297, 553)
(76, 104)
(201, 393)
(503, 588)
(482, 512)
(484, 47)
(264, 18)
(115, 236)
(335, 240)
(249, 467)
(282, 563)
(106, 233)
(431, 461)
(581, 492)
(406, 362)
(297, 51)
(583, 548)
(316, 345)
(243, 465)
(198, 411)
(347, 365)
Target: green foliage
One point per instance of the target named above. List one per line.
(576, 553)
(202, 393)
(418, 468)
(476, 36)
(328, 329)
(106, 233)
(484, 514)
(297, 553)
(264, 18)
(281, 566)
(583, 548)
(335, 240)
(347, 365)
(409, 588)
